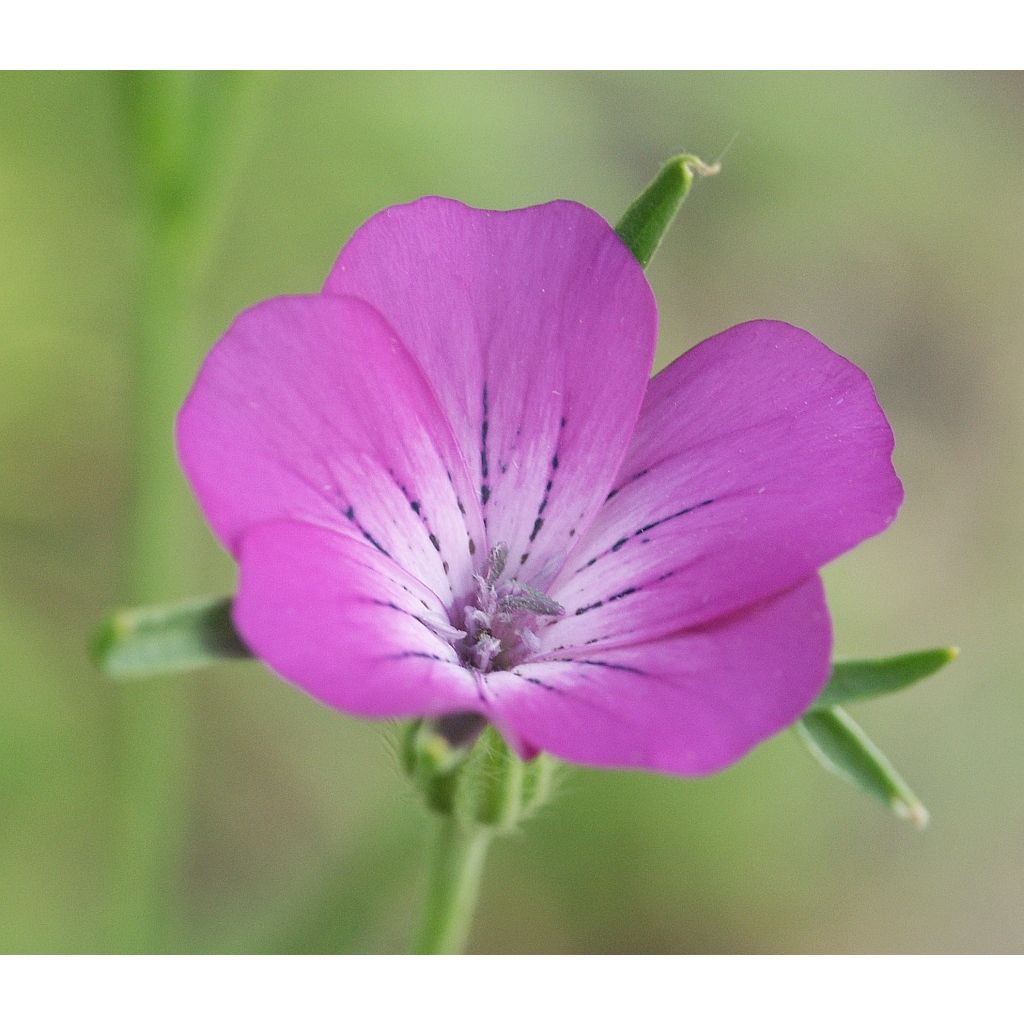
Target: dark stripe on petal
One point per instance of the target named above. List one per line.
(632, 479)
(622, 541)
(484, 427)
(540, 683)
(675, 515)
(376, 543)
(600, 604)
(424, 654)
(602, 664)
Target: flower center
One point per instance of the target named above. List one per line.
(502, 619)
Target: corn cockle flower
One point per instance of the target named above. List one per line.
(451, 488)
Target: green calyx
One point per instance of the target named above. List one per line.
(478, 782)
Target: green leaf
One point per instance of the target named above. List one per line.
(859, 680)
(168, 638)
(841, 746)
(645, 223)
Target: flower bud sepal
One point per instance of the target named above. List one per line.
(465, 770)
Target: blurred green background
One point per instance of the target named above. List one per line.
(225, 811)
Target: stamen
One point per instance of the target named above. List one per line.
(477, 620)
(529, 640)
(500, 624)
(485, 650)
(496, 562)
(524, 597)
(441, 628)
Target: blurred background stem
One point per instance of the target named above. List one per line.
(176, 127)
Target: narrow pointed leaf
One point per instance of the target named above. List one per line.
(645, 223)
(168, 638)
(859, 680)
(841, 746)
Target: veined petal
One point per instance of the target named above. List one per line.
(310, 408)
(688, 704)
(536, 329)
(759, 456)
(346, 624)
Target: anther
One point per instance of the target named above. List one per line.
(524, 597)
(496, 561)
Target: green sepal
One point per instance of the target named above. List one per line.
(432, 763)
(841, 746)
(167, 638)
(647, 220)
(481, 784)
(861, 680)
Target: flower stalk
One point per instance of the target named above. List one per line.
(477, 788)
(453, 884)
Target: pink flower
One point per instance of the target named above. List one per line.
(451, 488)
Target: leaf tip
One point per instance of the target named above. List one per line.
(911, 810)
(684, 166)
(104, 640)
(695, 165)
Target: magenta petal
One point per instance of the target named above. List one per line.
(536, 328)
(333, 615)
(687, 704)
(759, 456)
(309, 408)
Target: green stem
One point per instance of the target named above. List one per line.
(153, 721)
(456, 868)
(172, 122)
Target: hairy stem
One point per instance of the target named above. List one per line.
(456, 867)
